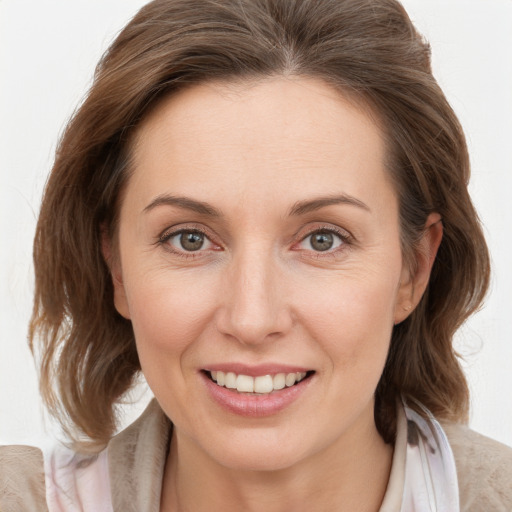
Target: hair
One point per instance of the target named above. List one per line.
(366, 48)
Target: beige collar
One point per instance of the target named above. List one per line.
(137, 459)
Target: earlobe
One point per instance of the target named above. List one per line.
(113, 263)
(120, 302)
(414, 283)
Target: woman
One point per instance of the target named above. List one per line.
(262, 205)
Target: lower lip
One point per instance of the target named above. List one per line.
(255, 406)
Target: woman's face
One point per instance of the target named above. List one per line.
(258, 242)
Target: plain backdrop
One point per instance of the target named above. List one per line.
(48, 50)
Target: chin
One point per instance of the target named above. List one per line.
(268, 461)
(250, 452)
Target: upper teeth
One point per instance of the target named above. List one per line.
(262, 384)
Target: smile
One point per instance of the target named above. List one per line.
(262, 385)
(267, 390)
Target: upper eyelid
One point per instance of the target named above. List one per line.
(343, 238)
(164, 242)
(301, 234)
(341, 232)
(171, 231)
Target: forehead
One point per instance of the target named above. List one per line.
(275, 135)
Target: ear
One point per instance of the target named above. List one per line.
(413, 283)
(114, 265)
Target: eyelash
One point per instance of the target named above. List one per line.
(344, 236)
(163, 240)
(167, 235)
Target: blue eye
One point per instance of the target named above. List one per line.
(322, 241)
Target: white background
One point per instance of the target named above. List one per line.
(48, 50)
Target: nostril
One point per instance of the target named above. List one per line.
(253, 326)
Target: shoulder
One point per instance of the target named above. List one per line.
(58, 479)
(22, 482)
(484, 470)
(137, 457)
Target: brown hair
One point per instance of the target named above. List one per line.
(367, 47)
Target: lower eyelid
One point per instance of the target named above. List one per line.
(172, 247)
(341, 242)
(164, 239)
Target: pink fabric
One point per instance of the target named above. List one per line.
(77, 483)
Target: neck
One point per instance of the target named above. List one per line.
(351, 474)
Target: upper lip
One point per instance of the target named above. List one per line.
(255, 370)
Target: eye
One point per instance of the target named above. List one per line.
(187, 240)
(322, 240)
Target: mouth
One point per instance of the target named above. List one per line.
(257, 385)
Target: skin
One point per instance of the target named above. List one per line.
(258, 291)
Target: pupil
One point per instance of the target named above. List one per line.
(191, 241)
(322, 241)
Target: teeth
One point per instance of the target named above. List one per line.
(290, 379)
(230, 380)
(263, 384)
(244, 384)
(279, 381)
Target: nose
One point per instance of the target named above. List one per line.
(254, 309)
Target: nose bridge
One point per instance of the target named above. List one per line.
(255, 308)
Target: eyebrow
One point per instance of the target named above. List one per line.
(185, 203)
(308, 206)
(299, 208)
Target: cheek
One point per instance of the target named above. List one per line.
(352, 318)
(167, 314)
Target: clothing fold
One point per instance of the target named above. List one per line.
(128, 474)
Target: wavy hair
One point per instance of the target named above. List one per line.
(366, 48)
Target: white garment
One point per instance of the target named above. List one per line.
(430, 473)
(423, 465)
(75, 483)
